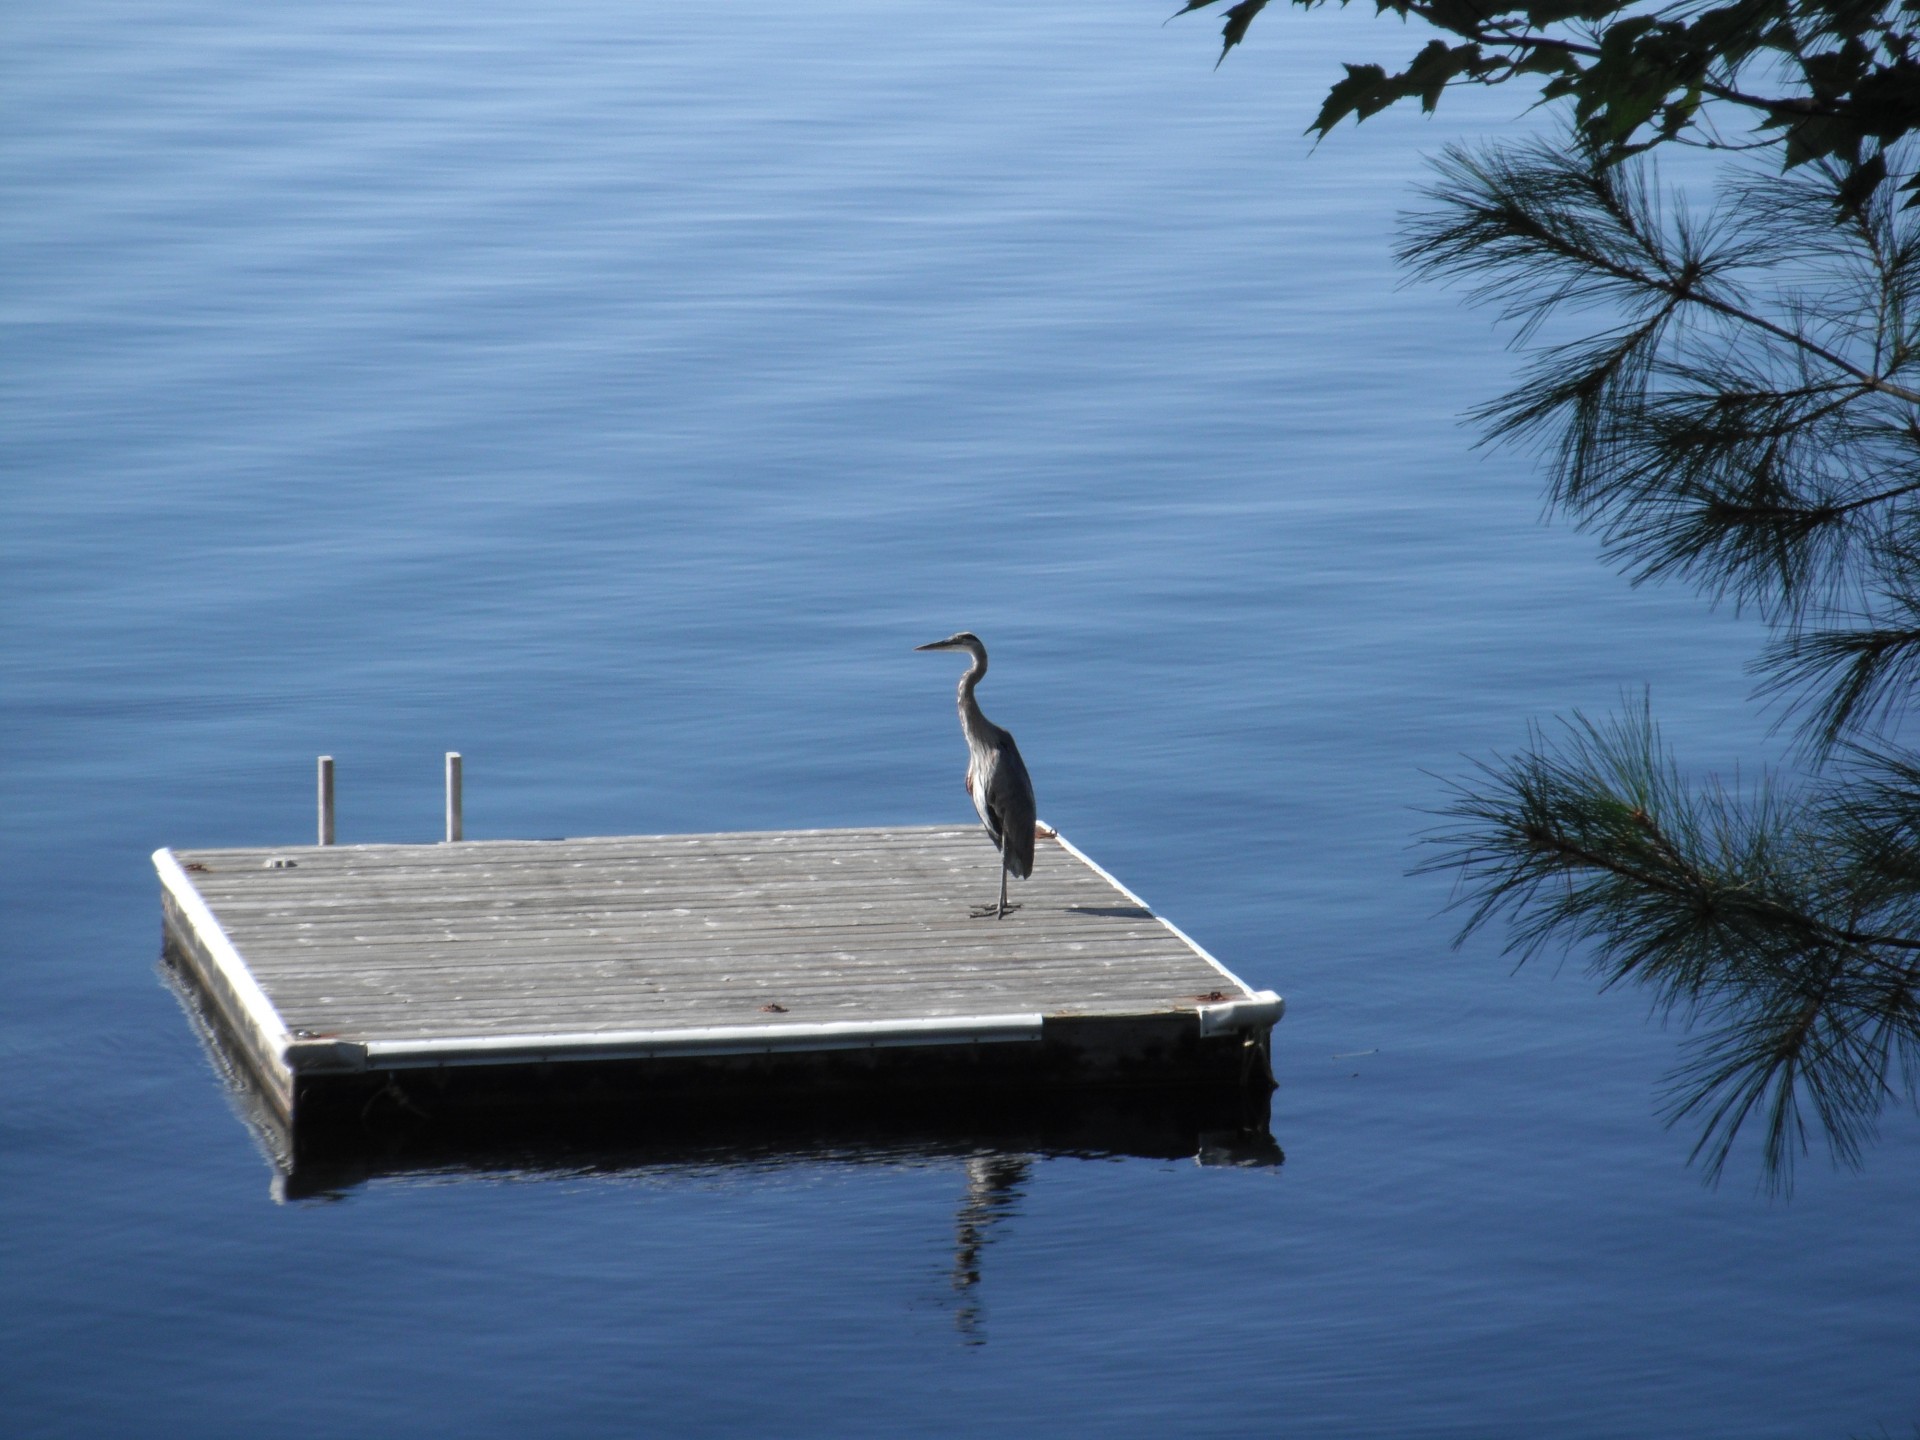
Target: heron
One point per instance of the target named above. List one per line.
(996, 776)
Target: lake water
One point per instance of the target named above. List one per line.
(615, 393)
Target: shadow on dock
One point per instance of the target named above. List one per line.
(389, 1137)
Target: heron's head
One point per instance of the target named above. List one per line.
(963, 640)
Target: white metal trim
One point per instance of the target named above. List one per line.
(265, 1021)
(703, 1040)
(1259, 1012)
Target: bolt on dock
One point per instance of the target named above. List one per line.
(615, 969)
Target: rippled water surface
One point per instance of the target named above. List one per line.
(616, 393)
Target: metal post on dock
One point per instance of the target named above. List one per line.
(326, 800)
(454, 818)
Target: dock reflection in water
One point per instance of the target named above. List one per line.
(996, 1137)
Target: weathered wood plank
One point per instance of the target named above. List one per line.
(691, 951)
(1063, 990)
(1061, 987)
(335, 1013)
(622, 877)
(290, 980)
(1061, 984)
(752, 1005)
(912, 849)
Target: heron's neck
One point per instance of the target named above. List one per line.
(971, 720)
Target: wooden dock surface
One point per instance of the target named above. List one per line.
(386, 957)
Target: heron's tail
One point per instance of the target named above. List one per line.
(1018, 851)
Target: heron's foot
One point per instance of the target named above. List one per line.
(981, 912)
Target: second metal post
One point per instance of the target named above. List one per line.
(455, 820)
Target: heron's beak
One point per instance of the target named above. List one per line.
(936, 645)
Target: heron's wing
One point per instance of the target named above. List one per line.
(979, 770)
(1006, 805)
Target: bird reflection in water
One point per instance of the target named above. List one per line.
(994, 1186)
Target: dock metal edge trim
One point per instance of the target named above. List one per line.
(704, 1040)
(1251, 1010)
(257, 1010)
(1259, 1011)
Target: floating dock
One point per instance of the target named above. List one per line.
(647, 969)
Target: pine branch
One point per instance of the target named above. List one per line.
(1865, 674)
(1510, 216)
(1770, 919)
(1708, 437)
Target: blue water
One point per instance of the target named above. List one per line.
(616, 392)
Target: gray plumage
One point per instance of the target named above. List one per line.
(996, 775)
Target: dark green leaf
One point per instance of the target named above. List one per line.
(1365, 90)
(1239, 17)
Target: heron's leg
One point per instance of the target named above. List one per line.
(1003, 909)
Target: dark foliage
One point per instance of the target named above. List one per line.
(1748, 422)
(1832, 80)
(1744, 417)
